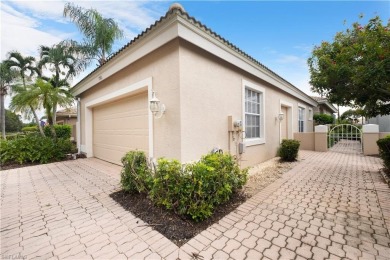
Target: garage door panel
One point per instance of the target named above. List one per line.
(135, 122)
(119, 127)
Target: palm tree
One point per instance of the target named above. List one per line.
(7, 76)
(100, 33)
(65, 61)
(25, 66)
(24, 99)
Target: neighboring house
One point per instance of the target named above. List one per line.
(324, 107)
(382, 121)
(68, 116)
(202, 79)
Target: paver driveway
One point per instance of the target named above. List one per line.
(331, 205)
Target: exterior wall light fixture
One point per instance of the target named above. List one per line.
(156, 107)
(280, 116)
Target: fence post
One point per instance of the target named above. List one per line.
(321, 138)
(370, 136)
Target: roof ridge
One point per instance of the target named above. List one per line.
(195, 22)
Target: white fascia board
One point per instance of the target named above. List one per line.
(207, 42)
(331, 107)
(138, 49)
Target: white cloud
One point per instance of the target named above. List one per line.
(22, 33)
(27, 24)
(289, 59)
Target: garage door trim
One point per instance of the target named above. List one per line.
(142, 85)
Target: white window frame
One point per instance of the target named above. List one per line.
(261, 90)
(310, 114)
(304, 118)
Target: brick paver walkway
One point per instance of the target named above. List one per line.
(331, 205)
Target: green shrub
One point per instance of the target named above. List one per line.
(62, 131)
(384, 150)
(323, 119)
(196, 188)
(34, 148)
(30, 129)
(14, 136)
(136, 175)
(288, 150)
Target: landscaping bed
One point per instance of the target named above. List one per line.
(179, 229)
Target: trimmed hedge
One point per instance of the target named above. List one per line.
(30, 129)
(34, 148)
(191, 190)
(62, 131)
(384, 150)
(288, 150)
(323, 119)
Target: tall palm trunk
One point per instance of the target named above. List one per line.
(55, 113)
(2, 112)
(37, 120)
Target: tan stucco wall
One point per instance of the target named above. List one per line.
(383, 134)
(163, 66)
(211, 90)
(320, 142)
(67, 120)
(306, 140)
(369, 143)
(199, 91)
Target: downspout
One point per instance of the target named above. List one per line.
(78, 129)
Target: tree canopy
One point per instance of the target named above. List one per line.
(12, 122)
(100, 33)
(354, 69)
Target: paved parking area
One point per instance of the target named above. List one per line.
(330, 206)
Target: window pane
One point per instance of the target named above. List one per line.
(253, 107)
(253, 119)
(249, 132)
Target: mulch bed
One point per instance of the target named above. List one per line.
(11, 166)
(174, 227)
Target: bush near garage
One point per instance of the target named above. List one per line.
(62, 131)
(384, 151)
(192, 189)
(288, 150)
(34, 148)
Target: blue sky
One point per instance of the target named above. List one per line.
(279, 34)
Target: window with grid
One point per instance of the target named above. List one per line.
(253, 101)
(301, 119)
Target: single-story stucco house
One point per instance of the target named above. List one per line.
(324, 107)
(210, 89)
(68, 116)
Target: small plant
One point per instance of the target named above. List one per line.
(190, 190)
(196, 188)
(288, 150)
(136, 175)
(384, 151)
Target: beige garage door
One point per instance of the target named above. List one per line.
(120, 126)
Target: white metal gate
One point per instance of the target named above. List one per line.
(345, 138)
